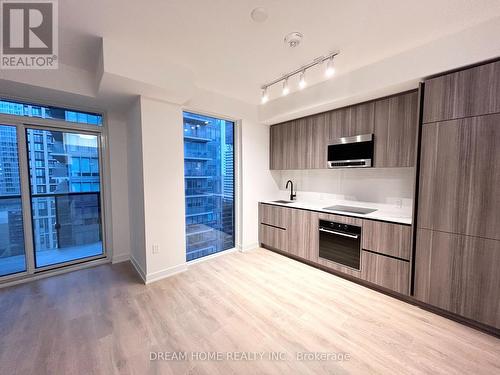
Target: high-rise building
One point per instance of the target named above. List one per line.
(209, 184)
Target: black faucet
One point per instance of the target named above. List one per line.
(292, 195)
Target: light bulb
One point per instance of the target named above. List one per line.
(265, 96)
(330, 70)
(302, 80)
(286, 89)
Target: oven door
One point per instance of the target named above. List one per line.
(340, 243)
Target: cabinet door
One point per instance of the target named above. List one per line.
(355, 120)
(300, 224)
(317, 141)
(387, 238)
(390, 273)
(273, 215)
(459, 274)
(273, 237)
(276, 151)
(460, 177)
(470, 92)
(396, 131)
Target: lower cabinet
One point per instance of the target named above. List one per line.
(274, 237)
(295, 232)
(390, 273)
(459, 274)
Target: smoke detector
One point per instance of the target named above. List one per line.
(259, 15)
(293, 39)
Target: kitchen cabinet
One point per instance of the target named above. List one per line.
(460, 274)
(354, 120)
(460, 177)
(303, 143)
(301, 234)
(273, 226)
(295, 231)
(387, 238)
(387, 272)
(466, 93)
(273, 215)
(396, 128)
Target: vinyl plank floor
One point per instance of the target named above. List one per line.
(102, 320)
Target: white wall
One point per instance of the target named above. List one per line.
(163, 168)
(119, 192)
(136, 189)
(376, 185)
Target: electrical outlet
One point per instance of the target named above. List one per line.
(156, 249)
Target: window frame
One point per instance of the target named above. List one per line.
(22, 123)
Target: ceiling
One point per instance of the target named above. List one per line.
(230, 54)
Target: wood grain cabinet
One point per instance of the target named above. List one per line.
(387, 272)
(354, 120)
(387, 238)
(466, 93)
(459, 274)
(460, 177)
(303, 143)
(273, 225)
(302, 234)
(396, 131)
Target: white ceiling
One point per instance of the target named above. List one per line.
(230, 54)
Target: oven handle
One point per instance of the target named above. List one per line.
(355, 236)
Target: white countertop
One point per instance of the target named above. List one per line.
(384, 212)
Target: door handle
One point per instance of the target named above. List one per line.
(355, 236)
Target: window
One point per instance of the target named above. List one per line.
(9, 107)
(209, 183)
(12, 254)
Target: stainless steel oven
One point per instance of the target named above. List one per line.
(340, 243)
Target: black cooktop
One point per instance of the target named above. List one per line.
(353, 210)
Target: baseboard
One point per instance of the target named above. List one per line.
(167, 272)
(120, 258)
(252, 246)
(138, 269)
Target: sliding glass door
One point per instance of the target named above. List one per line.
(12, 252)
(51, 204)
(209, 185)
(65, 196)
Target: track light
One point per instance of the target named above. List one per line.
(319, 61)
(330, 70)
(265, 96)
(286, 89)
(302, 79)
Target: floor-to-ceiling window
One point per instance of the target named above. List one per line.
(50, 171)
(12, 255)
(209, 185)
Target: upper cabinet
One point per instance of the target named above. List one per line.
(303, 143)
(463, 94)
(349, 121)
(396, 131)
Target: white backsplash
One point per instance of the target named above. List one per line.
(393, 186)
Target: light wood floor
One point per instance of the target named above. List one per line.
(103, 321)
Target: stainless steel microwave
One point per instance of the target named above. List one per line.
(351, 152)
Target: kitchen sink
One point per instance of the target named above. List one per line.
(283, 202)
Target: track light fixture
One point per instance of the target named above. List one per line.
(330, 71)
(286, 89)
(302, 79)
(265, 96)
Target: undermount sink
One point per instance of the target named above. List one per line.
(283, 202)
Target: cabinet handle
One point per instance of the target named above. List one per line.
(355, 236)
